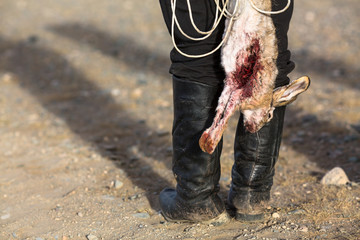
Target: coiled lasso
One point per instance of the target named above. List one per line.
(224, 12)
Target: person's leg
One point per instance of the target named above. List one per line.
(197, 173)
(253, 170)
(197, 84)
(256, 154)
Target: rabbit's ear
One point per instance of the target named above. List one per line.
(287, 94)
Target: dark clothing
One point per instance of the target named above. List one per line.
(197, 85)
(208, 69)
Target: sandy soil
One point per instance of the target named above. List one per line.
(86, 113)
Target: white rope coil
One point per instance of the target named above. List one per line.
(270, 12)
(224, 12)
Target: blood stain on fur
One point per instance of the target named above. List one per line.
(244, 77)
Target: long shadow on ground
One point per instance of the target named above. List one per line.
(326, 139)
(126, 50)
(122, 48)
(324, 143)
(330, 69)
(93, 116)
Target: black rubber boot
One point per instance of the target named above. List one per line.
(195, 198)
(253, 170)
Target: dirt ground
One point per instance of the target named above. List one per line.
(86, 113)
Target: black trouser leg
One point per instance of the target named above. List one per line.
(256, 154)
(205, 70)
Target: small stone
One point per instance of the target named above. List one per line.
(80, 214)
(303, 229)
(6, 216)
(133, 197)
(162, 133)
(115, 92)
(118, 184)
(275, 215)
(91, 237)
(141, 215)
(7, 77)
(336, 176)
